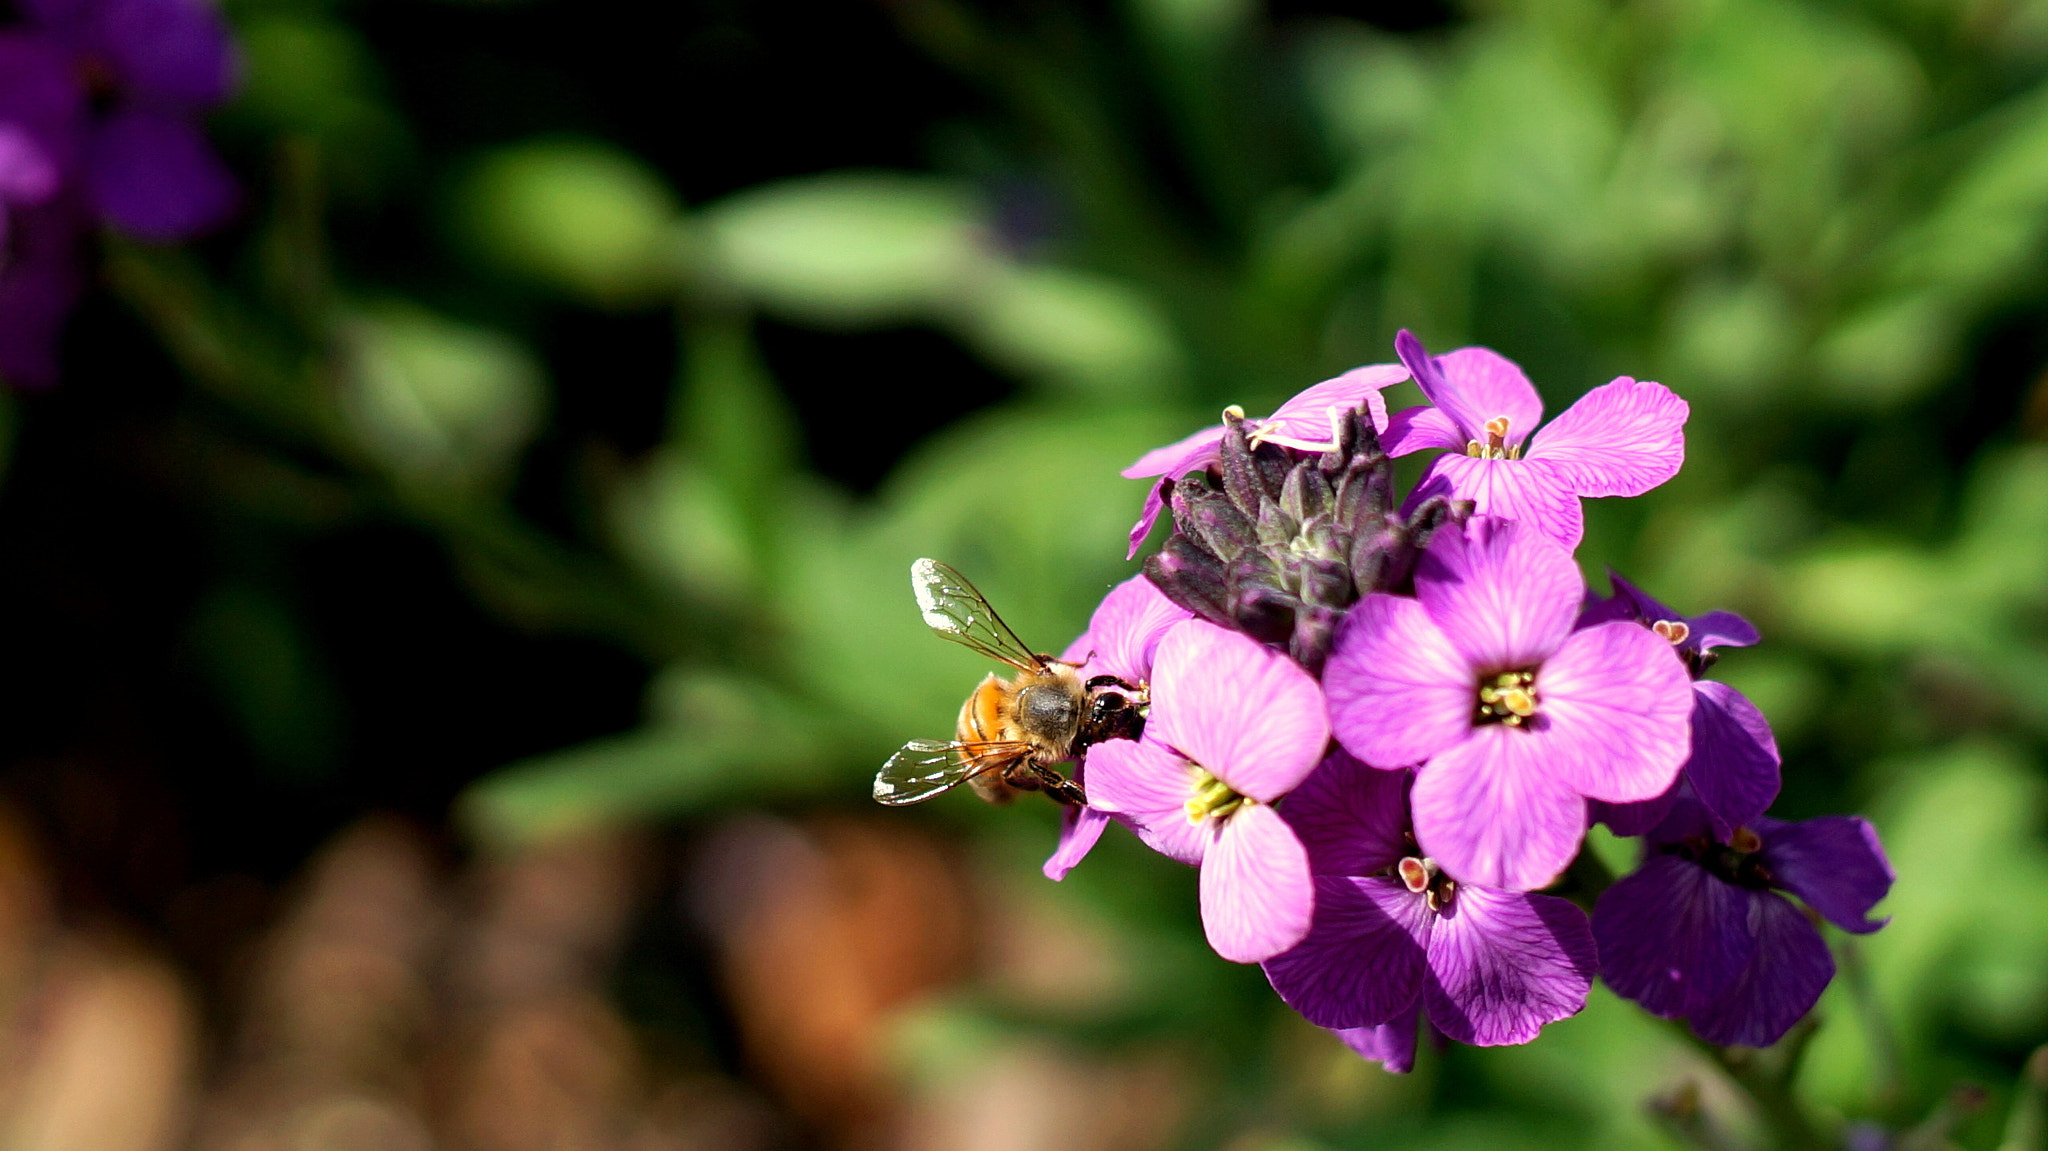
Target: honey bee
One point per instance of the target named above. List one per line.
(1012, 731)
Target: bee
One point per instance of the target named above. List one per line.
(1012, 731)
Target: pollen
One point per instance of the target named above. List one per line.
(1674, 631)
(1508, 698)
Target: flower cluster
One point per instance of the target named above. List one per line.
(100, 107)
(1381, 726)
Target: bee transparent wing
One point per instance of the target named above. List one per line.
(954, 609)
(928, 767)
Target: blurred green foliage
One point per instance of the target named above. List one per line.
(1824, 223)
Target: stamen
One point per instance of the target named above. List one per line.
(1746, 841)
(1416, 873)
(1675, 631)
(1495, 446)
(1213, 798)
(1260, 435)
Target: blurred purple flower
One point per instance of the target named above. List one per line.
(1699, 932)
(1620, 439)
(1734, 767)
(1235, 725)
(1395, 936)
(1121, 639)
(1308, 420)
(156, 67)
(1514, 718)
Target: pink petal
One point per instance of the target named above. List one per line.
(1473, 386)
(1615, 714)
(1504, 964)
(1150, 786)
(1125, 631)
(1256, 894)
(1080, 827)
(1307, 415)
(1526, 491)
(1398, 691)
(1175, 458)
(1419, 429)
(1242, 710)
(1490, 811)
(1620, 439)
(1505, 596)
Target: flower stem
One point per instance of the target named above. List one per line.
(1767, 1075)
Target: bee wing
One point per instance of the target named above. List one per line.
(928, 767)
(954, 609)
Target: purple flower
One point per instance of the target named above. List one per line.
(1307, 420)
(1235, 725)
(156, 66)
(1699, 932)
(1395, 934)
(1515, 718)
(1121, 639)
(1620, 439)
(1733, 769)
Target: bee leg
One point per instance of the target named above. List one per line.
(1063, 789)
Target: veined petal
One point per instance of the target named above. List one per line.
(1526, 491)
(1474, 386)
(1242, 710)
(1783, 979)
(1391, 1045)
(1080, 827)
(1125, 631)
(1307, 415)
(1349, 816)
(1256, 894)
(1488, 810)
(1620, 439)
(1177, 458)
(1631, 819)
(1419, 429)
(1672, 937)
(1834, 863)
(1503, 964)
(1398, 691)
(1734, 764)
(1150, 786)
(1616, 713)
(1505, 596)
(1360, 964)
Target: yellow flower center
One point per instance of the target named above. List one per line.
(1508, 698)
(1212, 799)
(1495, 446)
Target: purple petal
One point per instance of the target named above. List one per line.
(1150, 786)
(1630, 819)
(1124, 633)
(1672, 937)
(1503, 964)
(1473, 386)
(1245, 712)
(167, 52)
(1783, 979)
(1349, 816)
(41, 96)
(1398, 691)
(153, 175)
(1256, 893)
(1391, 1045)
(1734, 764)
(1615, 713)
(1419, 429)
(1361, 963)
(1504, 595)
(1489, 811)
(1711, 630)
(1080, 827)
(1526, 491)
(1176, 459)
(28, 173)
(1307, 415)
(37, 290)
(1154, 503)
(1620, 439)
(1721, 629)
(1834, 863)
